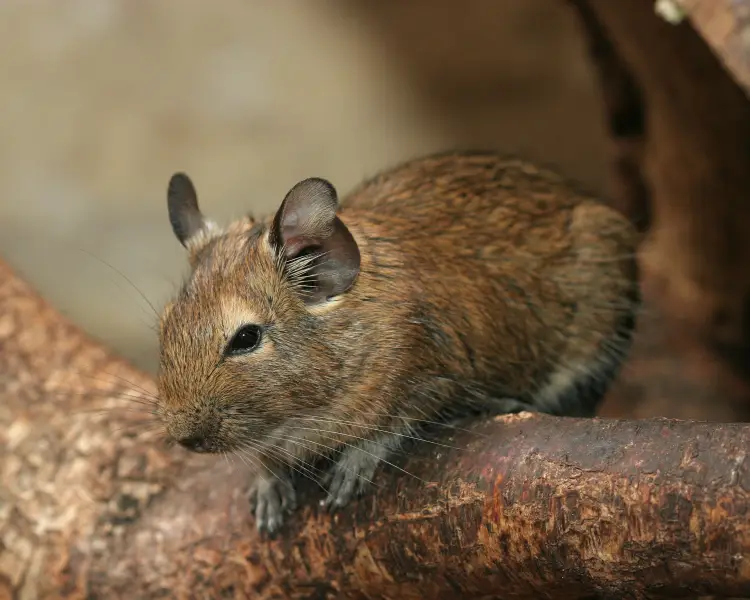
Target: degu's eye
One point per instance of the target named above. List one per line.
(245, 340)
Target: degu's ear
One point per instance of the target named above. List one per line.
(182, 203)
(306, 228)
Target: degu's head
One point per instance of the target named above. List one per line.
(243, 346)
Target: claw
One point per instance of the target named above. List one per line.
(269, 500)
(349, 476)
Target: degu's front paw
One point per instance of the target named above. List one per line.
(270, 498)
(351, 475)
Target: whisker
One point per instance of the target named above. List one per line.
(304, 469)
(99, 396)
(137, 428)
(374, 428)
(359, 448)
(133, 387)
(244, 457)
(347, 469)
(300, 441)
(109, 411)
(419, 420)
(264, 467)
(142, 295)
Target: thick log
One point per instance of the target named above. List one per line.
(92, 505)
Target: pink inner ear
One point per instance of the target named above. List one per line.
(306, 218)
(297, 221)
(294, 246)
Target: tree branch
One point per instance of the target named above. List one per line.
(625, 118)
(725, 25)
(91, 505)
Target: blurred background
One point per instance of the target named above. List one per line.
(104, 99)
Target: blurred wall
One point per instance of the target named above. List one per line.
(103, 99)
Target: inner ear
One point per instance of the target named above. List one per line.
(321, 254)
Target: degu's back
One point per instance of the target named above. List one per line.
(530, 285)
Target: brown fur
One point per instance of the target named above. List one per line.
(482, 278)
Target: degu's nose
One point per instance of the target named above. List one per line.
(195, 443)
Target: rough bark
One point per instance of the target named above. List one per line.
(93, 505)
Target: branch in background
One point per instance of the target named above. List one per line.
(725, 25)
(694, 161)
(523, 507)
(625, 118)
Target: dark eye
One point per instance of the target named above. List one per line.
(245, 340)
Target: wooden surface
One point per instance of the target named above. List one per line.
(93, 505)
